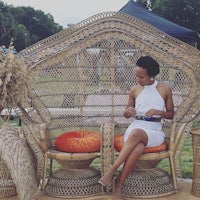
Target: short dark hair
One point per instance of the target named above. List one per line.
(148, 63)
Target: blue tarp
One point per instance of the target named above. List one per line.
(184, 34)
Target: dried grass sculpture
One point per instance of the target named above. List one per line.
(85, 73)
(16, 87)
(16, 82)
(15, 79)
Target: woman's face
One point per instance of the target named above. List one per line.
(142, 77)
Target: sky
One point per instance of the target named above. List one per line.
(67, 12)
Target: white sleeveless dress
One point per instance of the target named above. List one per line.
(148, 99)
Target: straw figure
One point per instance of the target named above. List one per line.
(15, 88)
(15, 79)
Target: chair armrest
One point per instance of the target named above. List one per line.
(41, 136)
(107, 146)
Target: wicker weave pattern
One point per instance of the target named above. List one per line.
(37, 153)
(152, 183)
(74, 184)
(86, 71)
(68, 54)
(18, 158)
(7, 186)
(107, 149)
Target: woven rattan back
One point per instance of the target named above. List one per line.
(86, 71)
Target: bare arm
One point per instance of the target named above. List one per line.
(130, 108)
(169, 113)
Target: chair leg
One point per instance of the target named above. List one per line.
(171, 160)
(44, 172)
(51, 167)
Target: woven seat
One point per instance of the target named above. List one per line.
(84, 74)
(76, 184)
(148, 183)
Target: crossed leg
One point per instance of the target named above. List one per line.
(128, 166)
(131, 151)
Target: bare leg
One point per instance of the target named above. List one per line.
(136, 137)
(128, 167)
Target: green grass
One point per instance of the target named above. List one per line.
(13, 121)
(186, 160)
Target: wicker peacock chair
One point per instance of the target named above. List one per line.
(84, 75)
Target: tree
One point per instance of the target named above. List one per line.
(186, 13)
(25, 26)
(7, 28)
(22, 38)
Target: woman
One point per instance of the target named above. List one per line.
(149, 101)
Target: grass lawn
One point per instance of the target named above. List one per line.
(186, 160)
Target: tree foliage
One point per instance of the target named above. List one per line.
(24, 26)
(185, 13)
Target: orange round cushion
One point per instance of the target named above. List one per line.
(119, 141)
(81, 141)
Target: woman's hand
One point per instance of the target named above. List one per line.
(150, 113)
(153, 112)
(129, 112)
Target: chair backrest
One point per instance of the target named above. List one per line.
(84, 73)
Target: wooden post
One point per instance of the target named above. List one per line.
(196, 162)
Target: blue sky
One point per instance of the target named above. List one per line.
(70, 11)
